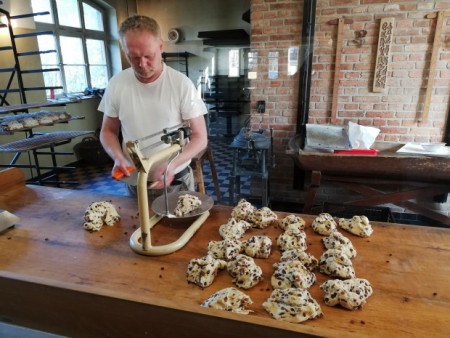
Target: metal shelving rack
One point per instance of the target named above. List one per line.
(33, 142)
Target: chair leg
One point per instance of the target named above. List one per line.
(215, 178)
(198, 175)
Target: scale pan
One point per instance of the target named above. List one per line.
(159, 204)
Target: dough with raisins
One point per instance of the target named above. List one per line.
(357, 225)
(202, 271)
(292, 305)
(229, 299)
(244, 271)
(351, 294)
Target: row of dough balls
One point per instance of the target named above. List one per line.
(98, 214)
(30, 120)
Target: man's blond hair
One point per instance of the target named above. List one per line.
(140, 23)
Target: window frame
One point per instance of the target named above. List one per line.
(82, 33)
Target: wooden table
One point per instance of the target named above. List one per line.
(57, 277)
(388, 177)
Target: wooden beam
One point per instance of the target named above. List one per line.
(337, 69)
(431, 75)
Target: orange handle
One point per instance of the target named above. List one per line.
(118, 174)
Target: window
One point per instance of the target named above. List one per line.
(233, 63)
(78, 47)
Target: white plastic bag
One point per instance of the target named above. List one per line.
(361, 137)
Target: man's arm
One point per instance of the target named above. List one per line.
(109, 137)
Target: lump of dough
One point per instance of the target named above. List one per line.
(243, 210)
(229, 299)
(226, 249)
(357, 225)
(292, 239)
(308, 260)
(257, 246)
(234, 228)
(98, 214)
(244, 271)
(292, 221)
(202, 271)
(351, 294)
(186, 204)
(338, 241)
(335, 263)
(262, 218)
(324, 224)
(292, 274)
(292, 305)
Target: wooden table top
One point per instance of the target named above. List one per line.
(406, 265)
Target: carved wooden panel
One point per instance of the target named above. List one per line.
(383, 51)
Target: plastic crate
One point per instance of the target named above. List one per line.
(380, 214)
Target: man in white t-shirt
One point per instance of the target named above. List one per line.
(145, 99)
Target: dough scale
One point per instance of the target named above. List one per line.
(164, 205)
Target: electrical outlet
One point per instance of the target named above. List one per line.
(261, 107)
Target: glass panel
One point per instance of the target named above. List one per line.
(68, 14)
(92, 18)
(42, 6)
(47, 42)
(71, 50)
(52, 79)
(96, 52)
(75, 78)
(99, 76)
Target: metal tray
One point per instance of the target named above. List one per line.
(159, 204)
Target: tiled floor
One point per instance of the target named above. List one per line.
(97, 178)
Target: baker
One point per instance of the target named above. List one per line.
(146, 98)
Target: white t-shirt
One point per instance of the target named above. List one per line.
(147, 108)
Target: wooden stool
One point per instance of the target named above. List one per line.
(197, 167)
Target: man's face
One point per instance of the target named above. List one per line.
(143, 52)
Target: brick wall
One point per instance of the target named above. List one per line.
(276, 25)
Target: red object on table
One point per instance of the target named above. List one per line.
(357, 152)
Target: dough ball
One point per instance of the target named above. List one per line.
(229, 299)
(244, 271)
(358, 225)
(292, 305)
(351, 294)
(202, 271)
(258, 246)
(324, 224)
(292, 274)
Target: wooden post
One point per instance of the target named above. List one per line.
(436, 44)
(337, 64)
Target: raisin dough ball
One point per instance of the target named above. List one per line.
(186, 204)
(258, 246)
(202, 271)
(292, 221)
(98, 214)
(243, 210)
(229, 299)
(338, 241)
(358, 225)
(324, 224)
(234, 228)
(262, 218)
(351, 294)
(335, 263)
(244, 271)
(226, 249)
(308, 260)
(292, 239)
(292, 274)
(292, 305)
